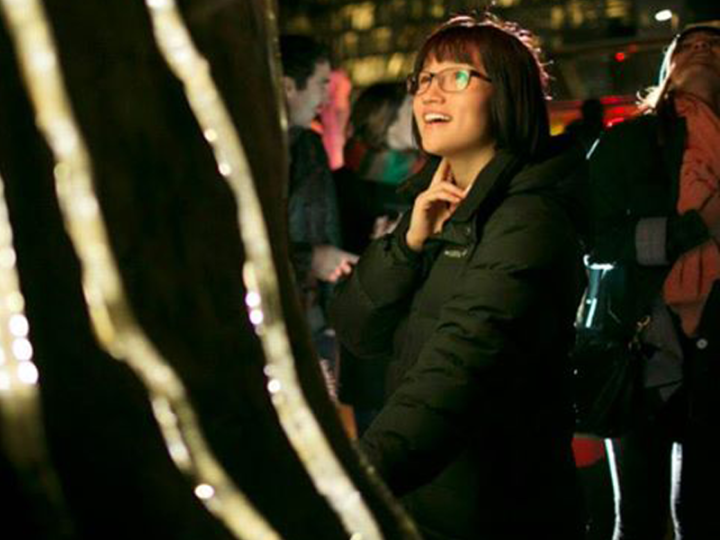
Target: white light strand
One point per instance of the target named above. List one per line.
(113, 321)
(260, 277)
(18, 373)
(20, 406)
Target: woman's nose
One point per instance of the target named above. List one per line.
(701, 44)
(433, 93)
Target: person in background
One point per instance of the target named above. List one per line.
(379, 154)
(334, 116)
(314, 223)
(473, 297)
(589, 126)
(656, 198)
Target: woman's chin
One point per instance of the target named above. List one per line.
(436, 149)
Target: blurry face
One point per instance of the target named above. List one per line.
(399, 135)
(696, 59)
(454, 125)
(305, 104)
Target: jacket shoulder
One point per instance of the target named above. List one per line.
(306, 147)
(527, 230)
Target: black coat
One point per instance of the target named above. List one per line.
(475, 436)
(634, 177)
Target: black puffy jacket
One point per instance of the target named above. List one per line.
(475, 434)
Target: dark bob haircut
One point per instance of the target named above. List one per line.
(518, 106)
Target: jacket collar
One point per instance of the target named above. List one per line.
(494, 178)
(502, 166)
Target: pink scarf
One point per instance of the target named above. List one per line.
(691, 278)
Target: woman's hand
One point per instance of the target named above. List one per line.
(433, 207)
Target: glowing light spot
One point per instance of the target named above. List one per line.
(663, 15)
(274, 386)
(210, 135)
(7, 257)
(87, 207)
(28, 373)
(65, 136)
(19, 326)
(225, 168)
(252, 299)
(15, 301)
(620, 56)
(43, 60)
(179, 452)
(22, 349)
(204, 492)
(256, 316)
(62, 171)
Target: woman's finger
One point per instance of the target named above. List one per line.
(448, 188)
(442, 173)
(440, 196)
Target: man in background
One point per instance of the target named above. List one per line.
(314, 223)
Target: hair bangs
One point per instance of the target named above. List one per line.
(457, 44)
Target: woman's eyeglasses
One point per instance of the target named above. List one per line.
(451, 80)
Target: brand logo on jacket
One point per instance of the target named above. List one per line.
(456, 253)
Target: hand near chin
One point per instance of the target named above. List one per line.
(433, 207)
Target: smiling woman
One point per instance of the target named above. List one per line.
(473, 297)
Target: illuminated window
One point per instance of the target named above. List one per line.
(360, 16)
(365, 71)
(437, 9)
(400, 65)
(300, 25)
(349, 44)
(617, 9)
(575, 13)
(381, 39)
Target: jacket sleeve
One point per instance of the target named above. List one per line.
(368, 305)
(471, 358)
(621, 235)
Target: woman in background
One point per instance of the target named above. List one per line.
(379, 155)
(657, 215)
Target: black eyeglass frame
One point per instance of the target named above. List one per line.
(413, 84)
